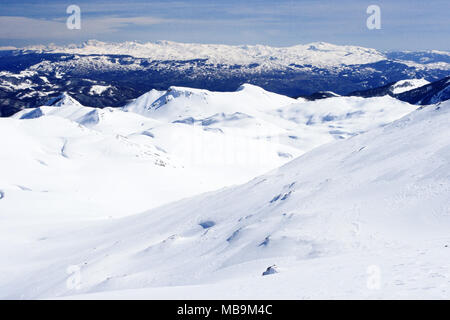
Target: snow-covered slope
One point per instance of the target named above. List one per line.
(366, 217)
(54, 168)
(114, 163)
(318, 53)
(94, 163)
(321, 121)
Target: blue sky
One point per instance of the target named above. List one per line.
(405, 24)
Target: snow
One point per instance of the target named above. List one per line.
(98, 89)
(21, 74)
(426, 66)
(378, 202)
(365, 194)
(407, 85)
(8, 85)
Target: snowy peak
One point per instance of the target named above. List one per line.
(250, 88)
(143, 104)
(63, 100)
(64, 104)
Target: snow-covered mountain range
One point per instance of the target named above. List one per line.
(369, 191)
(110, 74)
(319, 54)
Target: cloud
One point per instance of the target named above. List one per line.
(16, 27)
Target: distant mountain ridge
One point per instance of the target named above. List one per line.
(317, 53)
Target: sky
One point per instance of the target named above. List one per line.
(405, 24)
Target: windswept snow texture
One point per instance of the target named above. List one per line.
(365, 217)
